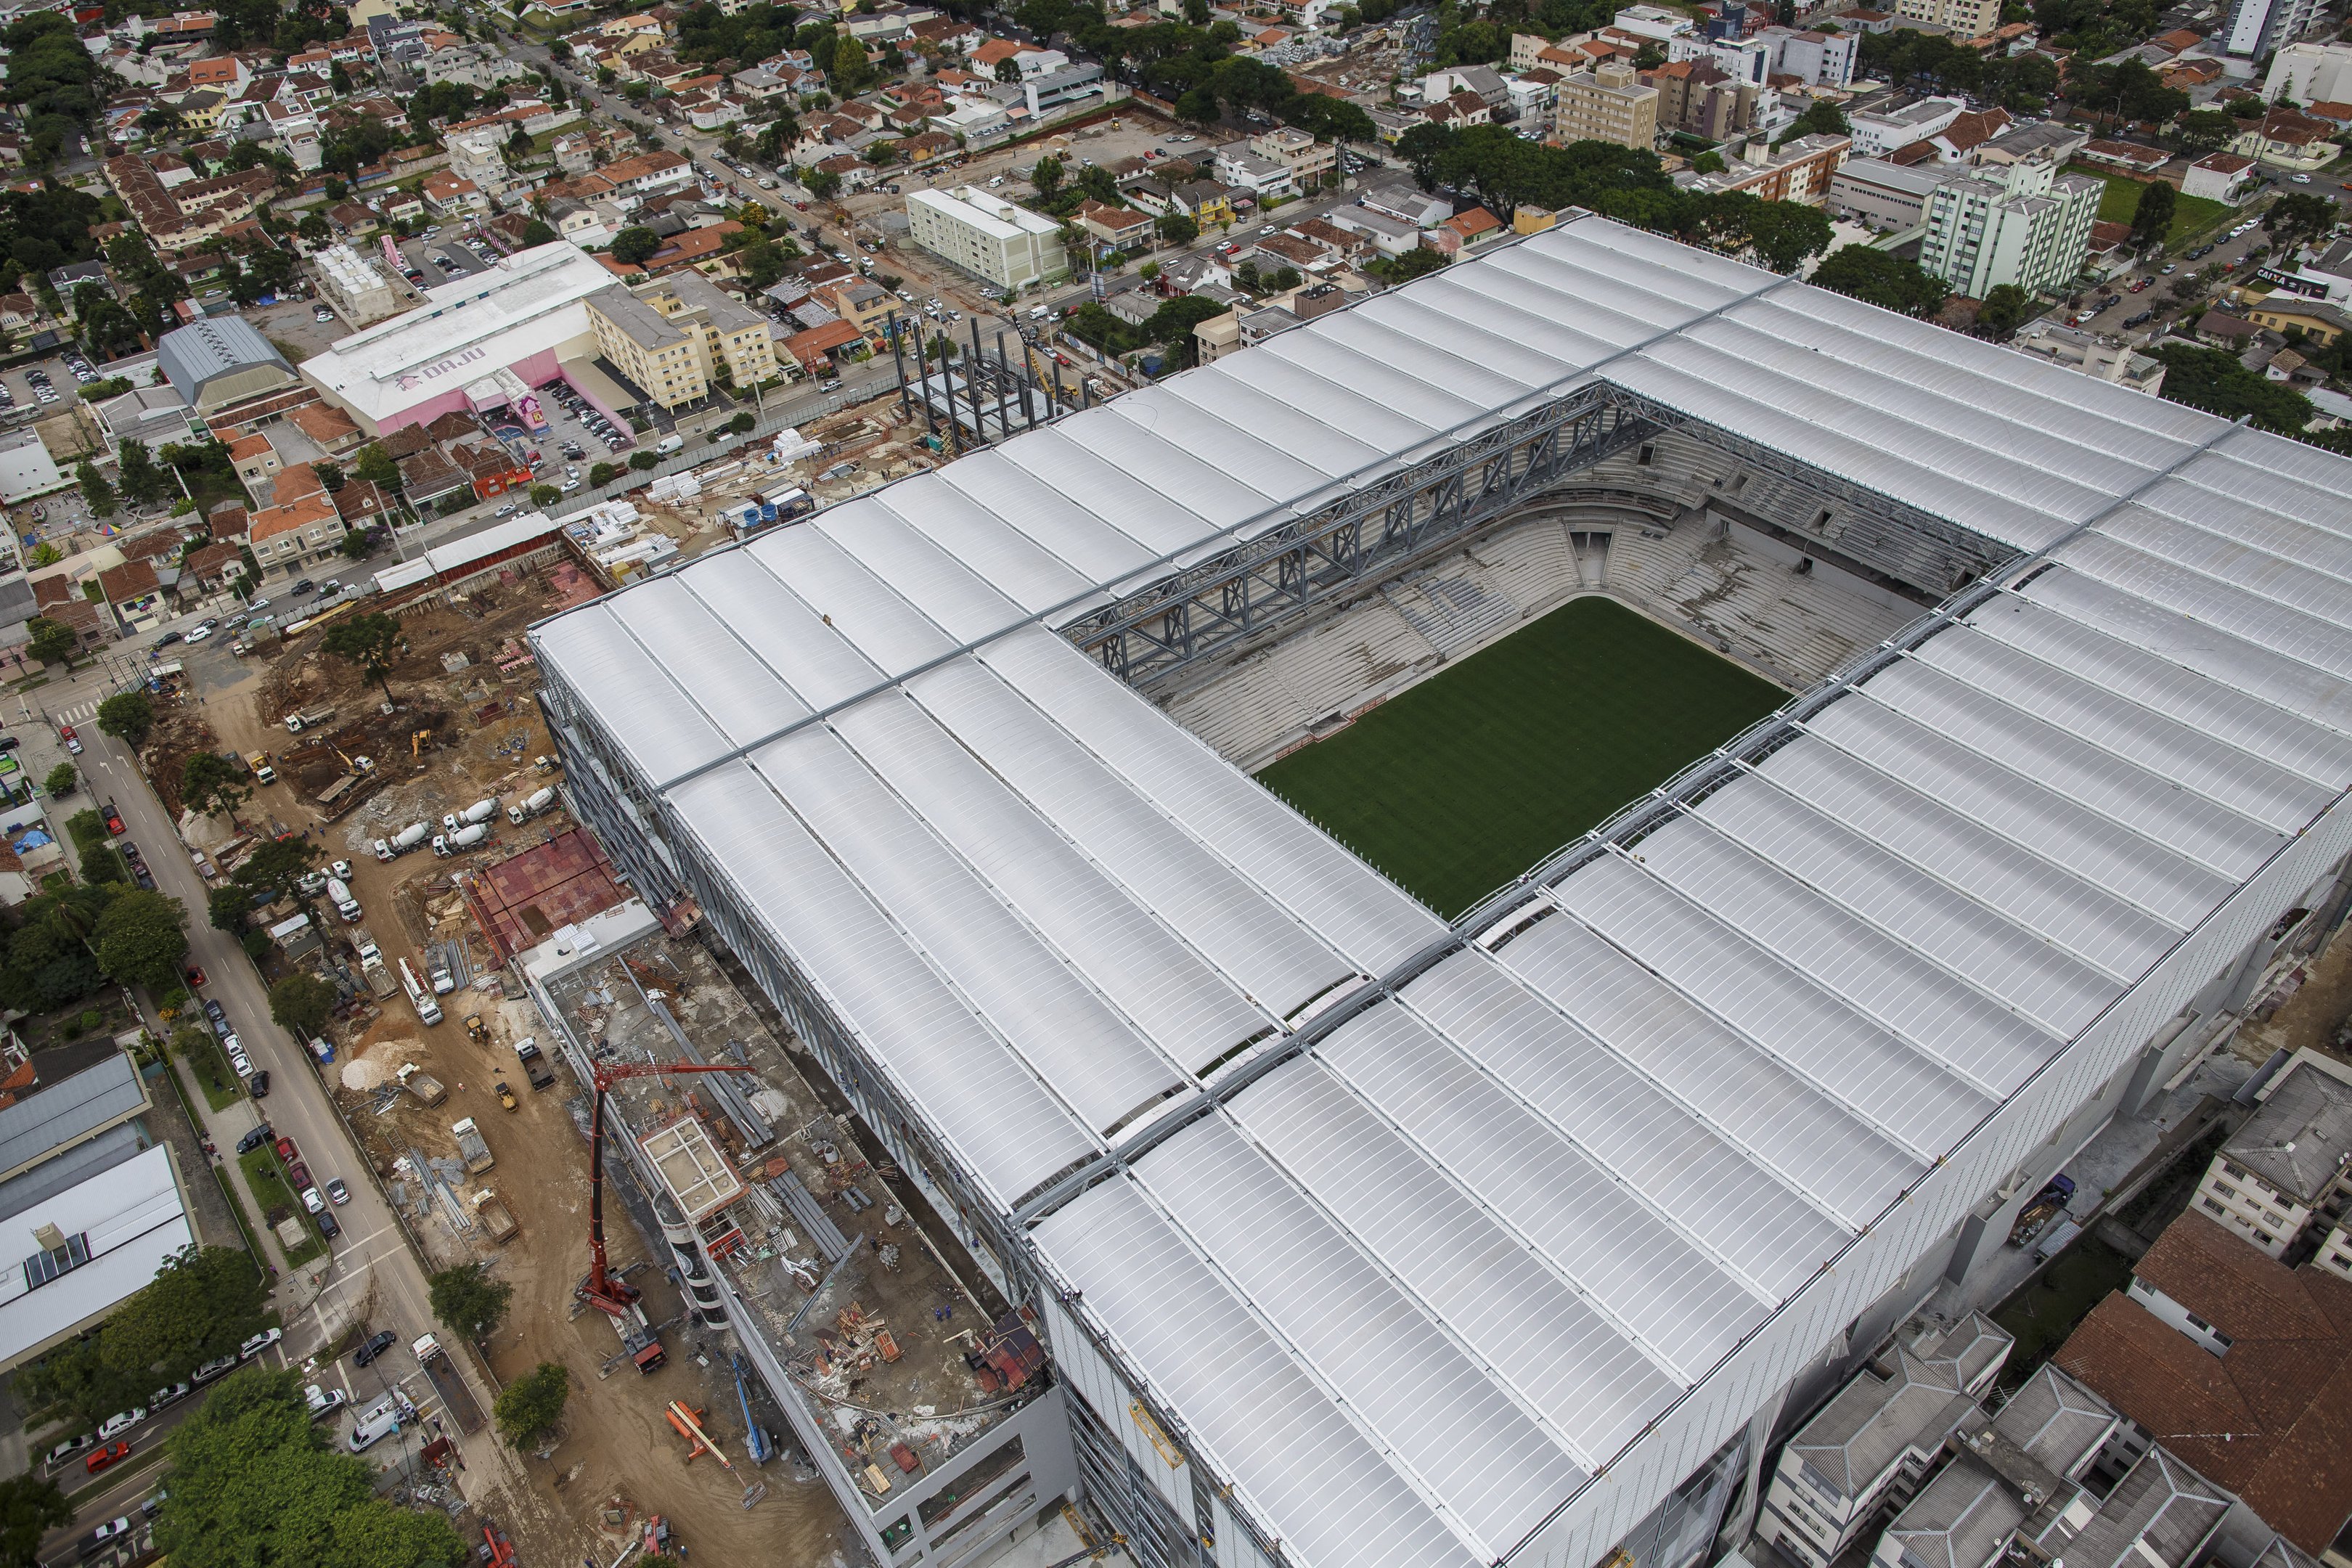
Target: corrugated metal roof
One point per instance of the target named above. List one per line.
(1412, 1287)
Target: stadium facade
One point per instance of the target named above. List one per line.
(1363, 1238)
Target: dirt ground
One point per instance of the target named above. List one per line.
(616, 1441)
(2310, 1016)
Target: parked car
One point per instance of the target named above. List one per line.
(258, 1084)
(260, 1342)
(69, 1448)
(118, 1422)
(254, 1139)
(213, 1369)
(377, 1343)
(105, 1456)
(113, 820)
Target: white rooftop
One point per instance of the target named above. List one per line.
(521, 305)
(1482, 1270)
(991, 214)
(133, 1219)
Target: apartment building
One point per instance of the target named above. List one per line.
(1307, 159)
(2025, 225)
(1878, 1437)
(353, 285)
(672, 337)
(1009, 246)
(1965, 18)
(2289, 1166)
(1608, 104)
(1877, 135)
(1798, 171)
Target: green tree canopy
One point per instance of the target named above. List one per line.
(635, 246)
(272, 871)
(255, 1483)
(369, 641)
(301, 1004)
(536, 232)
(208, 784)
(377, 466)
(2153, 213)
(529, 1408)
(51, 642)
(128, 716)
(29, 1509)
(143, 938)
(96, 490)
(2005, 308)
(1878, 278)
(2298, 219)
(49, 962)
(2213, 380)
(201, 1304)
(63, 779)
(468, 1301)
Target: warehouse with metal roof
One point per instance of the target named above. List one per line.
(1421, 1243)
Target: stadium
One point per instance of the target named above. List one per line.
(1985, 731)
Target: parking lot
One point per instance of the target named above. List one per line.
(581, 435)
(426, 250)
(47, 385)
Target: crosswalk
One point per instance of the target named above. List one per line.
(81, 713)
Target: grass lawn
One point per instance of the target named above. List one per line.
(2045, 1309)
(1469, 778)
(2191, 215)
(270, 1190)
(221, 1085)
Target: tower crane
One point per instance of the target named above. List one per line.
(603, 1289)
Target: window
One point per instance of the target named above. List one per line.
(64, 1258)
(2210, 1203)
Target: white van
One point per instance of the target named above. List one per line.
(378, 1422)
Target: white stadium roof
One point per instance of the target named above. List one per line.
(1419, 1284)
(520, 305)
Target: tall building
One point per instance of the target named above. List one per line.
(1009, 246)
(2258, 27)
(672, 337)
(1966, 18)
(2026, 225)
(1608, 104)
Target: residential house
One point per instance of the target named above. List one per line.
(1308, 160)
(2288, 139)
(1875, 134)
(1246, 171)
(2227, 177)
(2109, 358)
(2322, 323)
(449, 197)
(1121, 228)
(1390, 235)
(2238, 1365)
(1802, 170)
(2285, 1176)
(288, 537)
(134, 594)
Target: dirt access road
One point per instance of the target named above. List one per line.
(615, 1439)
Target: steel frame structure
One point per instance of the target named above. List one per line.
(1252, 588)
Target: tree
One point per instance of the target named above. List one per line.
(2203, 130)
(536, 232)
(2294, 221)
(226, 907)
(642, 460)
(302, 1003)
(2005, 309)
(208, 786)
(254, 1481)
(51, 642)
(527, 1408)
(468, 1301)
(96, 490)
(128, 716)
(1047, 176)
(1177, 230)
(635, 246)
(369, 641)
(604, 473)
(29, 1509)
(1406, 266)
(851, 73)
(143, 939)
(144, 484)
(822, 184)
(63, 780)
(330, 475)
(2152, 215)
(742, 422)
(1877, 278)
(545, 495)
(2213, 380)
(202, 1303)
(1707, 163)
(378, 466)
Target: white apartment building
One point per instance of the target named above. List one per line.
(2310, 73)
(1307, 159)
(2287, 1166)
(354, 286)
(1009, 246)
(1877, 1438)
(1820, 60)
(1876, 135)
(2258, 27)
(1966, 18)
(2025, 225)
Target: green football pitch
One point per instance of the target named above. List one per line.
(1466, 780)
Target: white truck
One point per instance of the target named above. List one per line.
(535, 803)
(534, 1062)
(309, 719)
(365, 948)
(447, 844)
(493, 1211)
(471, 1146)
(436, 969)
(339, 893)
(422, 1084)
(401, 842)
(480, 811)
(420, 996)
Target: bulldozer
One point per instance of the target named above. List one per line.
(474, 1030)
(506, 1095)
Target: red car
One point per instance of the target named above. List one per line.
(196, 976)
(72, 740)
(104, 1457)
(114, 820)
(286, 1154)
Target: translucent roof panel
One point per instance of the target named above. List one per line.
(991, 1108)
(779, 627)
(1294, 1454)
(639, 706)
(704, 658)
(1427, 1395)
(1093, 1059)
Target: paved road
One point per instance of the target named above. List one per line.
(371, 1256)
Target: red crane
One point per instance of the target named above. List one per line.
(602, 1288)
